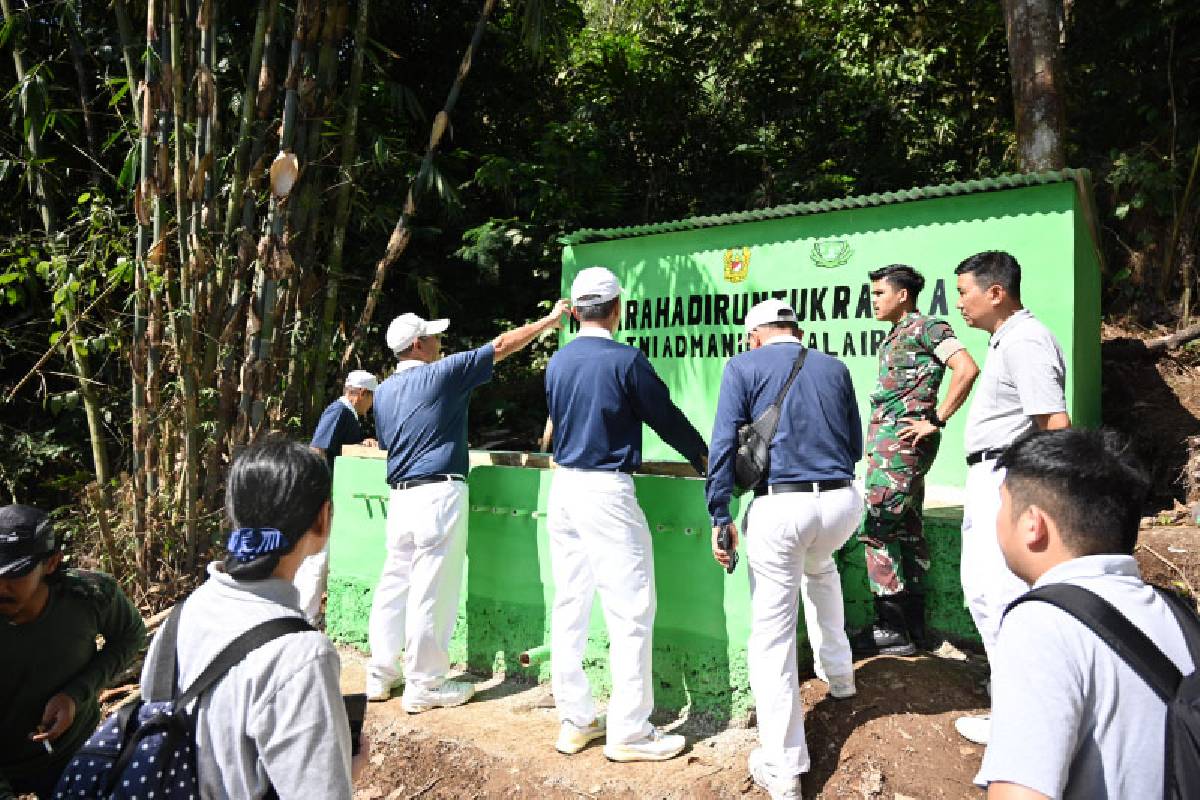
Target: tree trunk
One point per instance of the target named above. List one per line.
(401, 234)
(1033, 53)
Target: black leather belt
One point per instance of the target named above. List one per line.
(425, 481)
(802, 486)
(991, 454)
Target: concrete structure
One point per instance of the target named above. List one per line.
(688, 284)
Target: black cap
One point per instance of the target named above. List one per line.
(26, 537)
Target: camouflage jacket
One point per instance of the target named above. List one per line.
(912, 362)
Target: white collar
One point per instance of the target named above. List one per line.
(349, 405)
(781, 338)
(597, 332)
(409, 363)
(1018, 316)
(1090, 567)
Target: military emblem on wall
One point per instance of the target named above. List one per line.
(830, 254)
(737, 264)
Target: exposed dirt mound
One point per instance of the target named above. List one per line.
(1153, 400)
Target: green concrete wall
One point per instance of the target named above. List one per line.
(703, 618)
(676, 285)
(819, 263)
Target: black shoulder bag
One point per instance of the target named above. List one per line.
(752, 459)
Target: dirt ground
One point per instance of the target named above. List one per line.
(896, 739)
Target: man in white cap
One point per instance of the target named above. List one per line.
(599, 393)
(421, 418)
(803, 511)
(340, 425)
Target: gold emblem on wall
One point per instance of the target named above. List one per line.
(830, 254)
(737, 264)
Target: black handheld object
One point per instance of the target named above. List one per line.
(725, 542)
(356, 710)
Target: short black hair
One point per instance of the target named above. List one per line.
(900, 276)
(993, 268)
(598, 312)
(274, 483)
(1087, 481)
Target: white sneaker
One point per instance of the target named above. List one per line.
(975, 729)
(776, 788)
(379, 690)
(658, 746)
(450, 693)
(572, 739)
(840, 686)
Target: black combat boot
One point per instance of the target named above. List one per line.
(890, 631)
(913, 606)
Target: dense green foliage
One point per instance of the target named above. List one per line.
(585, 113)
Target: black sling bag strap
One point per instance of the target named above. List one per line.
(1126, 639)
(751, 460)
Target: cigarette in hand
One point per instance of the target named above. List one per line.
(46, 744)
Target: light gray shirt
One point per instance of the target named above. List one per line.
(277, 718)
(1070, 718)
(1023, 375)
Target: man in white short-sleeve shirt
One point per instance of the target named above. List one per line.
(1070, 719)
(1021, 388)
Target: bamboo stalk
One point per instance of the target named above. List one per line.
(273, 259)
(402, 234)
(341, 217)
(32, 112)
(129, 54)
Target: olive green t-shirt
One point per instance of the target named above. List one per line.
(57, 652)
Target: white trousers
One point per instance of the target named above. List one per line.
(988, 584)
(310, 581)
(789, 540)
(416, 601)
(600, 542)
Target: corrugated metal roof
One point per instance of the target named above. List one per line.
(587, 235)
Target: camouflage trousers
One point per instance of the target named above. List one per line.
(892, 532)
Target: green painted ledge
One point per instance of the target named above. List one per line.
(702, 624)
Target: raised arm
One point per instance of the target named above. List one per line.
(511, 341)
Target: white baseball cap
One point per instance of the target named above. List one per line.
(593, 286)
(768, 312)
(406, 328)
(361, 379)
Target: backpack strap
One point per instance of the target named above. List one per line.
(1189, 623)
(1126, 639)
(238, 649)
(164, 670)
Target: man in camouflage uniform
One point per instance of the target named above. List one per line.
(902, 441)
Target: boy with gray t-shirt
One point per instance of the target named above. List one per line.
(1070, 719)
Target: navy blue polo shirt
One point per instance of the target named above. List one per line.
(819, 435)
(338, 426)
(600, 392)
(421, 414)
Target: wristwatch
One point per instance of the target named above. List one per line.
(931, 416)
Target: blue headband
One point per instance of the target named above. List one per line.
(247, 543)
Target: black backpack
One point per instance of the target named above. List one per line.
(753, 456)
(1181, 693)
(148, 748)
